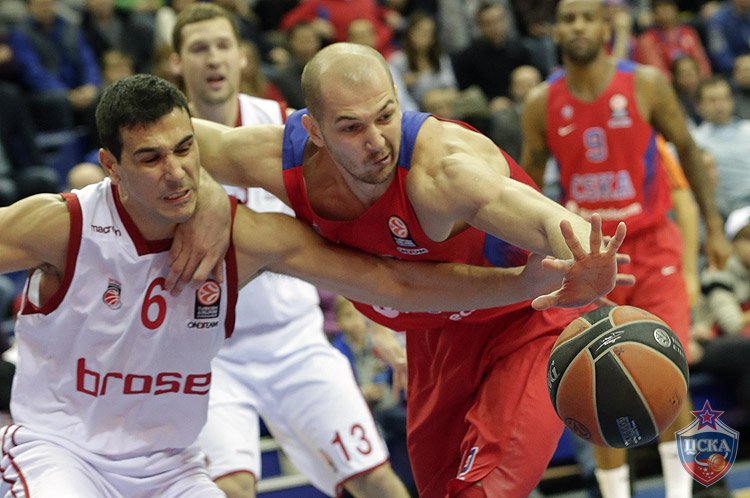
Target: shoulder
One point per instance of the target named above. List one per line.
(649, 81)
(535, 103)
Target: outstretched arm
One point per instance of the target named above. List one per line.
(35, 231)
(280, 243)
(462, 177)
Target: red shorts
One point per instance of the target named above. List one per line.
(478, 401)
(656, 262)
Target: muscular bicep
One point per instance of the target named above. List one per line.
(535, 153)
(34, 231)
(247, 156)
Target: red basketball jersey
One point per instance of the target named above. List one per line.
(607, 154)
(390, 227)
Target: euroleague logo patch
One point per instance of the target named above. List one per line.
(402, 238)
(707, 447)
(111, 296)
(207, 300)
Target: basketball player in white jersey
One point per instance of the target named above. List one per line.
(278, 364)
(111, 385)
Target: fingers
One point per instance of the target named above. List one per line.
(603, 301)
(181, 272)
(625, 279)
(571, 240)
(622, 259)
(176, 272)
(595, 236)
(616, 241)
(543, 302)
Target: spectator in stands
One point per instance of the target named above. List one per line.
(22, 170)
(727, 139)
(505, 126)
(303, 41)
(109, 29)
(685, 79)
(727, 291)
(83, 174)
(57, 68)
(254, 81)
(667, 39)
(490, 58)
(116, 65)
(741, 86)
(541, 44)
(621, 43)
(164, 20)
(331, 19)
(421, 63)
(728, 34)
(458, 27)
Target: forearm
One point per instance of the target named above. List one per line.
(701, 185)
(423, 286)
(686, 217)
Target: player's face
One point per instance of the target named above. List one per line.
(361, 127)
(580, 30)
(211, 61)
(157, 173)
(716, 104)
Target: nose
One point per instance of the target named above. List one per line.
(374, 141)
(173, 169)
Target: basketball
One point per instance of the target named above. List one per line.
(617, 376)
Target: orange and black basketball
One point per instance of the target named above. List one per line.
(617, 376)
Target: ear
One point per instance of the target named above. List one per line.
(108, 162)
(313, 129)
(243, 59)
(175, 63)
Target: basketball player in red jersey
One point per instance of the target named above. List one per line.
(111, 386)
(411, 186)
(599, 118)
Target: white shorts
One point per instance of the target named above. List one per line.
(310, 402)
(35, 467)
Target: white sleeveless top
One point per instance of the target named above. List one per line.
(271, 302)
(112, 364)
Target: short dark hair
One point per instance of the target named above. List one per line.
(200, 12)
(136, 100)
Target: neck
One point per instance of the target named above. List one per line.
(223, 113)
(144, 220)
(588, 81)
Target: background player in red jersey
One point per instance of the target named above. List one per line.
(411, 186)
(599, 118)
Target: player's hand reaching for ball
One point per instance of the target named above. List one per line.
(589, 276)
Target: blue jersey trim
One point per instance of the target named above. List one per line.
(411, 122)
(295, 138)
(625, 65)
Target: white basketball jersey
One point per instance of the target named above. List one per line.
(112, 364)
(271, 302)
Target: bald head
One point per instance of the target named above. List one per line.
(562, 5)
(338, 64)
